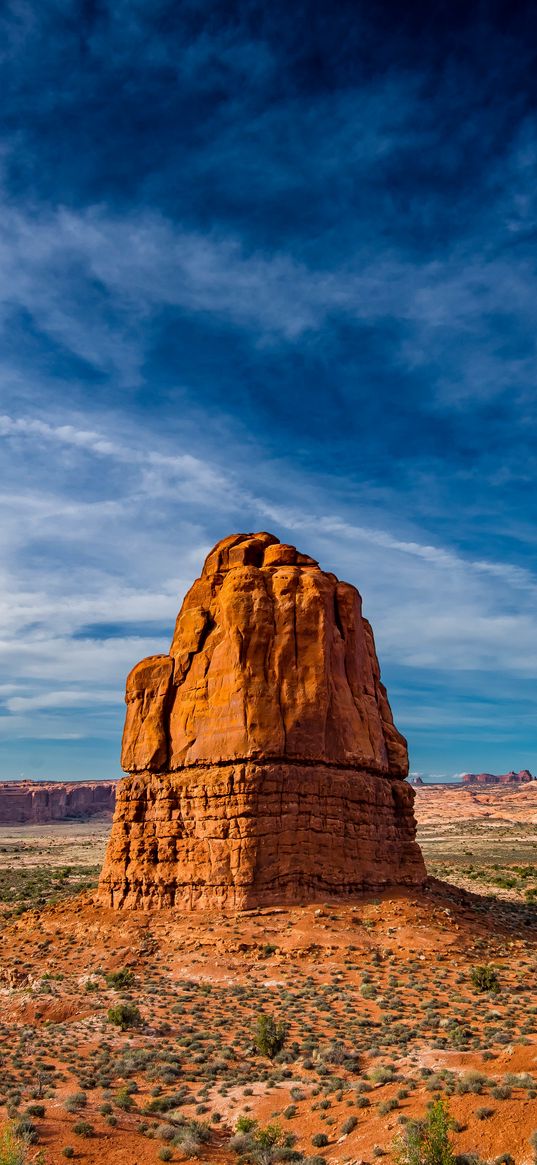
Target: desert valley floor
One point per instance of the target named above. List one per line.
(376, 995)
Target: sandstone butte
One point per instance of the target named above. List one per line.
(264, 763)
(510, 778)
(36, 802)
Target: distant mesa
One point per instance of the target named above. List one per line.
(264, 763)
(36, 802)
(416, 781)
(511, 778)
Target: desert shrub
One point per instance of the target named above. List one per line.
(349, 1125)
(472, 1081)
(261, 1144)
(125, 1015)
(501, 1092)
(485, 978)
(83, 1129)
(387, 1106)
(188, 1143)
(319, 1140)
(124, 1099)
(269, 1036)
(381, 1075)
(533, 1143)
(76, 1101)
(36, 1110)
(484, 1112)
(68, 1151)
(165, 1132)
(120, 979)
(26, 1130)
(165, 1154)
(245, 1124)
(427, 1142)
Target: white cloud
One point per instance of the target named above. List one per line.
(134, 266)
(433, 609)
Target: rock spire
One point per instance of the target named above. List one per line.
(263, 758)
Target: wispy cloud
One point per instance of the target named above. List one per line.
(282, 275)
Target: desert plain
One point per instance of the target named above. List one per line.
(378, 1010)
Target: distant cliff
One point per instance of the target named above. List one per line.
(511, 778)
(34, 802)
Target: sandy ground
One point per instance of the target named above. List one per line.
(376, 995)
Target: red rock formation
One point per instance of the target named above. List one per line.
(33, 802)
(265, 765)
(511, 778)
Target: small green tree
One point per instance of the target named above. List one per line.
(485, 978)
(125, 1015)
(269, 1036)
(426, 1142)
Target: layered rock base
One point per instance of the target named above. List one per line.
(245, 835)
(265, 765)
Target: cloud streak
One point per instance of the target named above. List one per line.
(270, 272)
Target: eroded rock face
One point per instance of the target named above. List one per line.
(265, 765)
(36, 802)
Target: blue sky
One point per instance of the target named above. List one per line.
(268, 267)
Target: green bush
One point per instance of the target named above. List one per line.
(427, 1142)
(68, 1151)
(319, 1140)
(269, 1036)
(245, 1124)
(485, 978)
(83, 1129)
(120, 979)
(125, 1015)
(268, 1137)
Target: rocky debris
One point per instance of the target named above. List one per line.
(265, 765)
(511, 778)
(36, 802)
